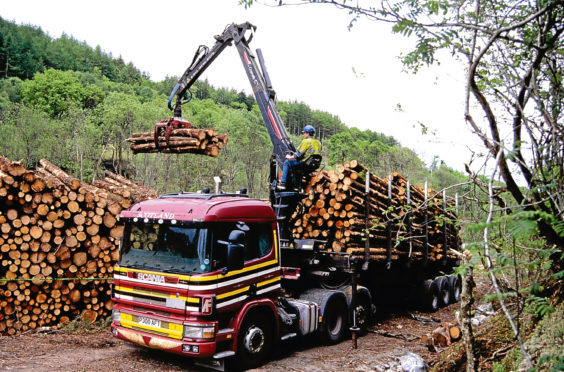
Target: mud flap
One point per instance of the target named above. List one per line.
(215, 364)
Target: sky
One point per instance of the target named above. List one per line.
(310, 54)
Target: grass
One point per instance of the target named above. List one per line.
(79, 325)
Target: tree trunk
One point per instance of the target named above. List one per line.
(466, 302)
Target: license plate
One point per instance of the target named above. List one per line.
(149, 322)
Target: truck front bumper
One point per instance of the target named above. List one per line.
(183, 347)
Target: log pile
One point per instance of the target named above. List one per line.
(339, 211)
(181, 140)
(58, 244)
(441, 336)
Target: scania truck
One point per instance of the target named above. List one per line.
(219, 277)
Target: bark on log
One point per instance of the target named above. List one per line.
(336, 206)
(184, 140)
(52, 229)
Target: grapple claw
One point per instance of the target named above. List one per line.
(165, 127)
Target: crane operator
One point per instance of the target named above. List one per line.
(309, 146)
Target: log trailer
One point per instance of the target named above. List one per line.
(218, 276)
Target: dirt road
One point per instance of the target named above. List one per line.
(99, 351)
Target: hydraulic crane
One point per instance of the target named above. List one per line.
(241, 35)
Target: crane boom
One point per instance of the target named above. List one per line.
(258, 77)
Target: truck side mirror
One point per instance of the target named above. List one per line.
(121, 246)
(236, 250)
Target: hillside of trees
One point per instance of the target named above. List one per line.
(63, 100)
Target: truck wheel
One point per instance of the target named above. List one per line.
(363, 312)
(455, 288)
(335, 322)
(254, 343)
(444, 290)
(430, 296)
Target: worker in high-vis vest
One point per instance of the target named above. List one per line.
(309, 146)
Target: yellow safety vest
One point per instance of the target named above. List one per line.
(308, 147)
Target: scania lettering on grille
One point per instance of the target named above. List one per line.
(151, 277)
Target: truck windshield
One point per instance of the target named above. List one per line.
(165, 247)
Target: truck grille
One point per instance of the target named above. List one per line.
(162, 313)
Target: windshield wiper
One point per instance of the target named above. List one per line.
(183, 270)
(137, 265)
(172, 270)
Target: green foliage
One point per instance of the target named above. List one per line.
(503, 296)
(462, 269)
(81, 93)
(545, 342)
(365, 146)
(498, 367)
(12, 87)
(538, 306)
(80, 325)
(27, 133)
(26, 50)
(554, 362)
(54, 92)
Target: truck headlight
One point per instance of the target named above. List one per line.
(116, 316)
(198, 331)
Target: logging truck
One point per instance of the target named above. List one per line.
(224, 278)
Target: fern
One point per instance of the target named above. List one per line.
(538, 306)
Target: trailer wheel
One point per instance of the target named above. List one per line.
(254, 343)
(455, 288)
(335, 321)
(444, 290)
(430, 296)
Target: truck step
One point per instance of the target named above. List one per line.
(223, 354)
(280, 206)
(288, 336)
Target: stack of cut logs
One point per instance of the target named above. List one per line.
(441, 336)
(182, 140)
(335, 210)
(58, 244)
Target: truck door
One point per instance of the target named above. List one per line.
(260, 274)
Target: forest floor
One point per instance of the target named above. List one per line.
(87, 350)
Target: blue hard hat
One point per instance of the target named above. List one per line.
(309, 129)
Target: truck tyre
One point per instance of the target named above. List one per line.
(254, 342)
(455, 288)
(363, 313)
(444, 290)
(430, 296)
(335, 321)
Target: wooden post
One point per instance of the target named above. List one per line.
(445, 229)
(426, 223)
(408, 216)
(354, 329)
(389, 225)
(367, 221)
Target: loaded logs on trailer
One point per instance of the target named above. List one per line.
(376, 218)
(53, 229)
(181, 140)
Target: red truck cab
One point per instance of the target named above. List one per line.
(195, 271)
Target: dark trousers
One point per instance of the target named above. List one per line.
(289, 164)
